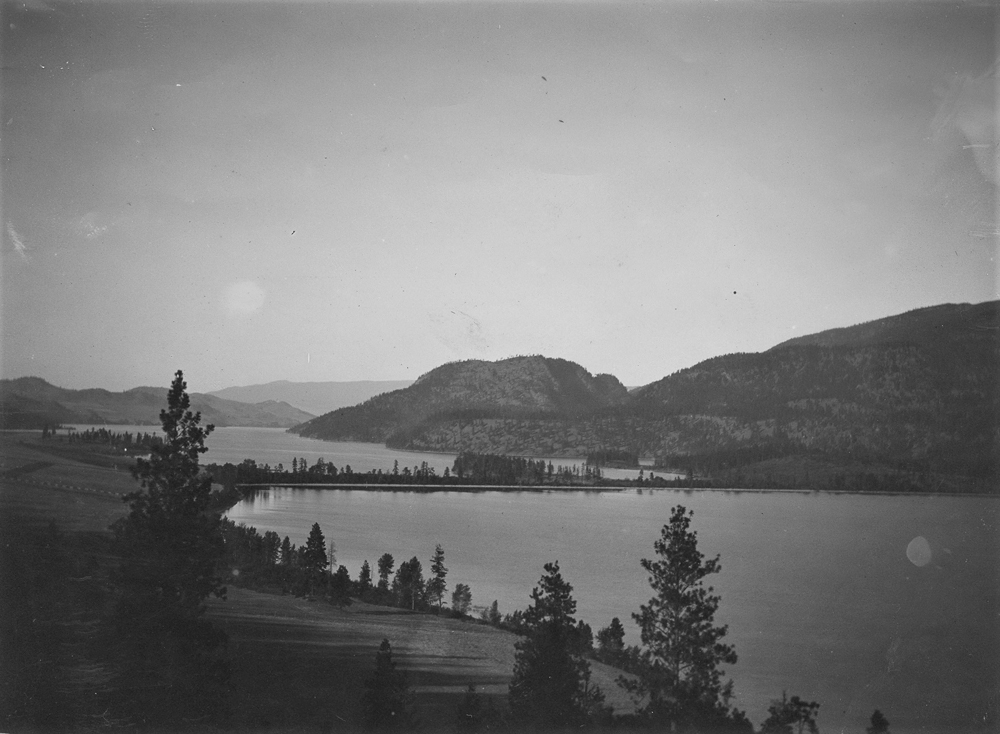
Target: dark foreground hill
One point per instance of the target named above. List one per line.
(521, 388)
(906, 402)
(31, 402)
(316, 398)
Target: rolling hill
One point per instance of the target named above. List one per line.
(516, 388)
(909, 401)
(31, 402)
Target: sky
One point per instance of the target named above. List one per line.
(253, 191)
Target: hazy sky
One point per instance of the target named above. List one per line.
(344, 191)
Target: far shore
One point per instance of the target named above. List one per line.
(427, 488)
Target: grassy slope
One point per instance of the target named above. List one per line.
(329, 653)
(296, 664)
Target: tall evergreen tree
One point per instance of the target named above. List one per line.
(461, 598)
(551, 687)
(436, 586)
(168, 547)
(408, 585)
(791, 716)
(879, 724)
(681, 680)
(611, 639)
(387, 701)
(385, 564)
(340, 587)
(314, 556)
(365, 579)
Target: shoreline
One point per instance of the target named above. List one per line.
(472, 488)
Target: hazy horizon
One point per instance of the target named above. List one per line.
(345, 191)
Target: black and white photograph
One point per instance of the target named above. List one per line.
(499, 366)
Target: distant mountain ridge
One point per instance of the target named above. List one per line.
(31, 402)
(519, 387)
(909, 401)
(316, 398)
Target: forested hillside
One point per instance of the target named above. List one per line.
(906, 402)
(521, 387)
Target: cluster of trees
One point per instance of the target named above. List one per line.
(139, 441)
(784, 465)
(513, 471)
(268, 562)
(469, 469)
(614, 457)
(248, 472)
(498, 469)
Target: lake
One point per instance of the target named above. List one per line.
(819, 590)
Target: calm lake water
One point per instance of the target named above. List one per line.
(818, 591)
(820, 594)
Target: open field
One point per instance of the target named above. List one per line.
(329, 653)
(296, 664)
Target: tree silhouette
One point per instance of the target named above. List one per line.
(436, 586)
(792, 716)
(385, 564)
(168, 548)
(461, 598)
(551, 686)
(387, 701)
(365, 579)
(340, 587)
(314, 557)
(879, 724)
(680, 678)
(408, 585)
(611, 641)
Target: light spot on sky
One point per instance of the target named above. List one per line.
(969, 104)
(244, 298)
(919, 551)
(15, 240)
(461, 333)
(90, 227)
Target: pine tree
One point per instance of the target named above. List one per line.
(169, 545)
(365, 579)
(387, 701)
(681, 680)
(611, 642)
(408, 585)
(314, 556)
(340, 587)
(436, 587)
(879, 724)
(385, 564)
(287, 552)
(791, 716)
(461, 599)
(551, 686)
